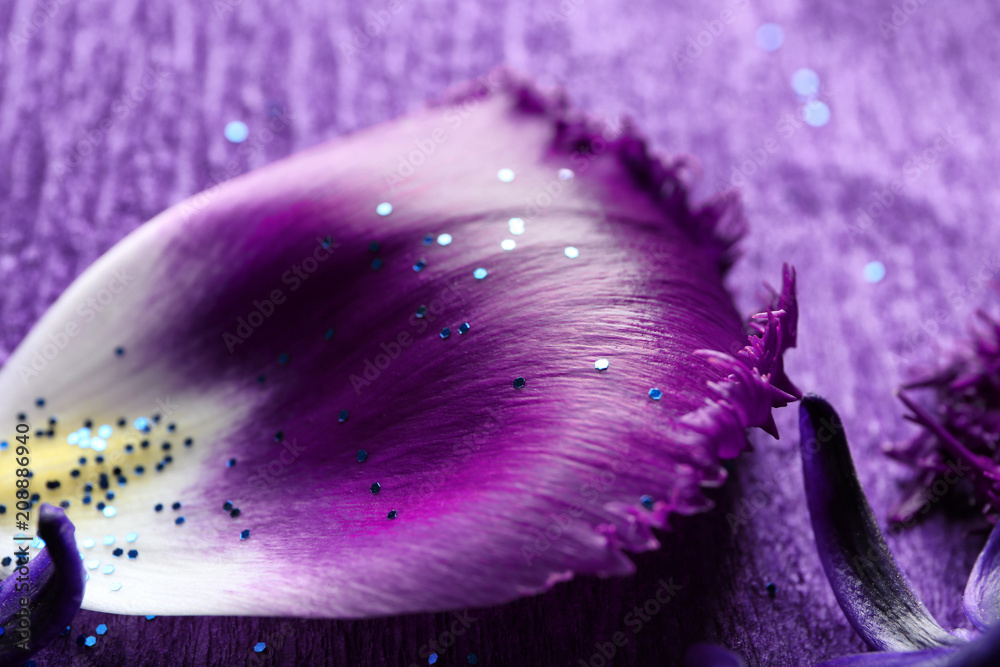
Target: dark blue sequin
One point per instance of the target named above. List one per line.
(519, 382)
(375, 487)
(362, 455)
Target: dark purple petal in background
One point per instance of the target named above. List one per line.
(54, 589)
(871, 590)
(982, 593)
(710, 655)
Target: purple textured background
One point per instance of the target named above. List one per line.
(890, 97)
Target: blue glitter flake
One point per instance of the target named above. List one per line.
(655, 394)
(444, 239)
(445, 333)
(519, 382)
(133, 554)
(109, 540)
(377, 263)
(328, 335)
(472, 659)
(342, 417)
(384, 209)
(283, 358)
(101, 629)
(392, 514)
(375, 487)
(245, 534)
(480, 273)
(362, 455)
(647, 502)
(428, 239)
(90, 641)
(179, 520)
(259, 647)
(421, 312)
(464, 328)
(230, 463)
(419, 266)
(236, 131)
(132, 537)
(432, 659)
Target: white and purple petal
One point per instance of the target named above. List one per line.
(872, 592)
(272, 356)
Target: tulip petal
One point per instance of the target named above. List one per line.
(55, 584)
(982, 593)
(871, 590)
(273, 355)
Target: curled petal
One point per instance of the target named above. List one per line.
(332, 371)
(871, 590)
(43, 592)
(982, 593)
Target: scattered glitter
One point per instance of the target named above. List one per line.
(874, 272)
(518, 382)
(373, 246)
(565, 174)
(132, 537)
(228, 505)
(464, 328)
(88, 543)
(101, 629)
(235, 512)
(109, 511)
(109, 540)
(375, 487)
(472, 658)
(179, 520)
(150, 618)
(141, 424)
(655, 394)
(377, 263)
(392, 514)
(805, 82)
(446, 332)
(237, 131)
(133, 554)
(516, 226)
(259, 646)
(571, 252)
(342, 417)
(92, 564)
(602, 364)
(432, 659)
(104, 432)
(444, 239)
(506, 175)
(647, 502)
(230, 463)
(176, 505)
(116, 586)
(279, 436)
(419, 266)
(90, 641)
(508, 244)
(159, 507)
(770, 37)
(108, 569)
(479, 273)
(385, 208)
(245, 534)
(816, 113)
(421, 312)
(362, 456)
(283, 358)
(329, 334)
(772, 589)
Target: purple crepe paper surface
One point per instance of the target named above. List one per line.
(890, 95)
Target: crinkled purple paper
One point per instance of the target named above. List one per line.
(891, 92)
